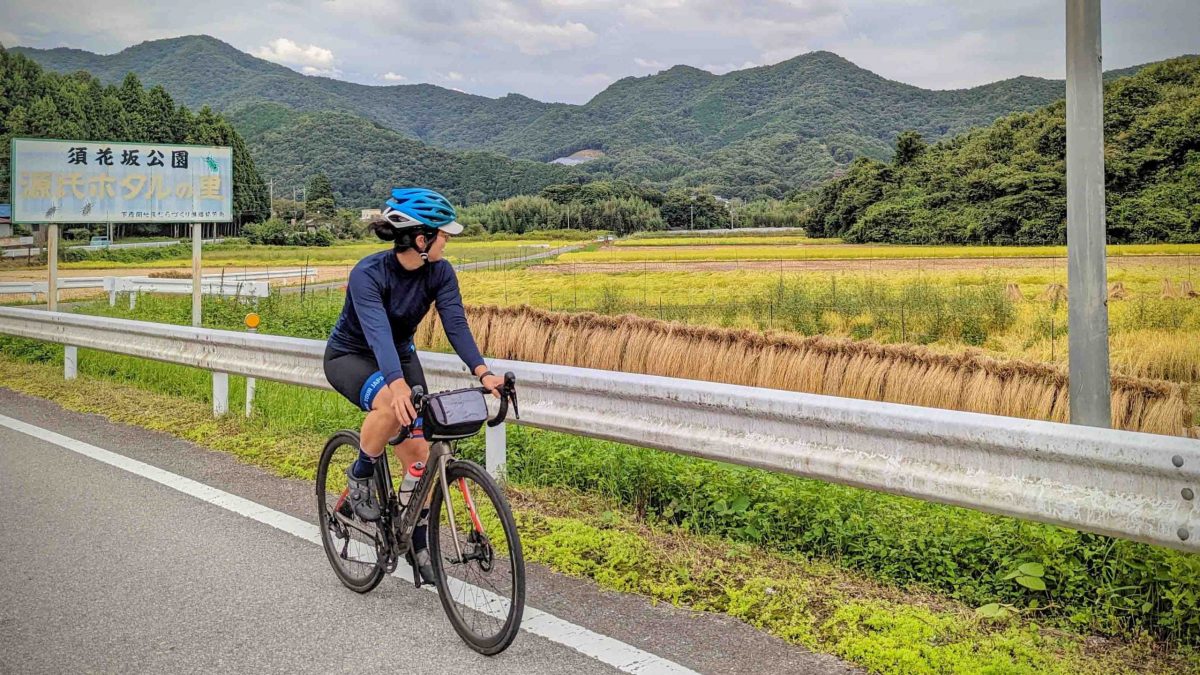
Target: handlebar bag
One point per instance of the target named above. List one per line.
(455, 414)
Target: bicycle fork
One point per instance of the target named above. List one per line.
(479, 538)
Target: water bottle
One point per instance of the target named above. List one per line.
(415, 470)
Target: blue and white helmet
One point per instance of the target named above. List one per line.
(420, 207)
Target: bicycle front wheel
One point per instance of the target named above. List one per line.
(481, 580)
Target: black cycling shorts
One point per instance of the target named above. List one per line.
(357, 377)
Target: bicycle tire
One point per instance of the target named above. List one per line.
(513, 568)
(336, 549)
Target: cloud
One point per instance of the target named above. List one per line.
(767, 25)
(649, 63)
(393, 77)
(287, 52)
(453, 76)
(532, 38)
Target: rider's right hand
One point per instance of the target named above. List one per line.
(402, 404)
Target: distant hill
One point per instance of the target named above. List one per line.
(1006, 183)
(757, 132)
(363, 160)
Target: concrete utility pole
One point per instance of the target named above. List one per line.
(271, 198)
(1087, 276)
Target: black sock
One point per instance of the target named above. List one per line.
(364, 466)
(420, 536)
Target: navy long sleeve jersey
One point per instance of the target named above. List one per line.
(385, 303)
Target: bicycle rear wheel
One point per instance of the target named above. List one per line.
(483, 591)
(351, 545)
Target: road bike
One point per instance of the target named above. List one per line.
(474, 546)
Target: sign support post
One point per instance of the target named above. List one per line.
(52, 267)
(196, 273)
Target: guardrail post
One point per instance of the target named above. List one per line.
(220, 394)
(70, 362)
(132, 299)
(252, 322)
(250, 387)
(496, 453)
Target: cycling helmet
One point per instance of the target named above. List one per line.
(420, 207)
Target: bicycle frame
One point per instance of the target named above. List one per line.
(396, 523)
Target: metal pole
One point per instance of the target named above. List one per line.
(52, 266)
(196, 274)
(1087, 278)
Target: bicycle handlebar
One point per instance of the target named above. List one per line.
(508, 392)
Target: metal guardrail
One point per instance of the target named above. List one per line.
(32, 251)
(208, 286)
(1120, 483)
(36, 288)
(231, 283)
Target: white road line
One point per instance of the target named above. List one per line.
(607, 650)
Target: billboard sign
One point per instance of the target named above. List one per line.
(57, 181)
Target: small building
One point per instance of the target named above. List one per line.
(6, 229)
(370, 214)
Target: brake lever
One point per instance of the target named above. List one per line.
(510, 386)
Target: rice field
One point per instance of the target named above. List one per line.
(1013, 312)
(724, 240)
(851, 368)
(245, 255)
(720, 249)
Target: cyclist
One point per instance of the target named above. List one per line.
(370, 357)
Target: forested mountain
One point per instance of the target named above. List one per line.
(39, 104)
(1006, 183)
(757, 132)
(363, 160)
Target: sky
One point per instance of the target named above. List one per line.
(570, 50)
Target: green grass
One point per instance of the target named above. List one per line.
(819, 604)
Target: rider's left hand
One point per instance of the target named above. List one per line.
(493, 383)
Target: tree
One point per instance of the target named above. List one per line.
(682, 210)
(41, 104)
(318, 197)
(909, 146)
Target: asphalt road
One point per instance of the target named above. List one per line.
(109, 571)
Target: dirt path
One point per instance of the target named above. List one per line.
(853, 265)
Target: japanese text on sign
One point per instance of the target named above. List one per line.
(90, 181)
